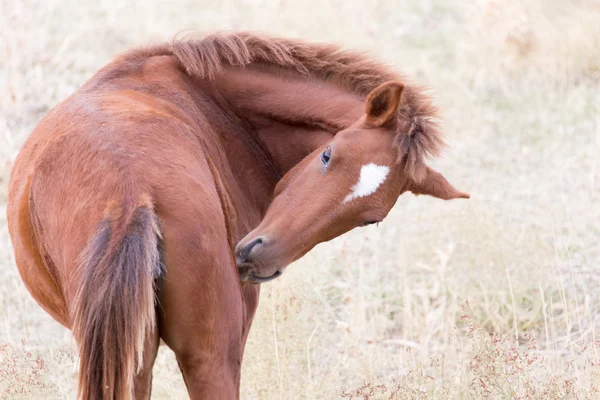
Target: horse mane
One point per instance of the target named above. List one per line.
(418, 136)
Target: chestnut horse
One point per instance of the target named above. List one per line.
(150, 203)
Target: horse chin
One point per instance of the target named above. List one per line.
(260, 279)
(248, 273)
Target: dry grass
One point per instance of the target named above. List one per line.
(495, 297)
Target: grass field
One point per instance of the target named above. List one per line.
(495, 297)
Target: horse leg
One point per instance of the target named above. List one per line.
(202, 310)
(142, 383)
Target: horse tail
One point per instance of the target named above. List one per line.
(114, 308)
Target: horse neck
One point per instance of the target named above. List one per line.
(277, 120)
(290, 116)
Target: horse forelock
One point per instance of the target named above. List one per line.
(418, 135)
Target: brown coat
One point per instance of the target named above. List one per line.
(128, 200)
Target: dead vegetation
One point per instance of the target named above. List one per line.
(495, 297)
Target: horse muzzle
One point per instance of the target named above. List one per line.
(249, 259)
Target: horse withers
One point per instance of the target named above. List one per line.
(150, 203)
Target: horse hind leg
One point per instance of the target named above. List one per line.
(201, 316)
(40, 279)
(142, 383)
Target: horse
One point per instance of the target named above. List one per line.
(148, 206)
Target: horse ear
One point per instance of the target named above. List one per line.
(382, 104)
(434, 184)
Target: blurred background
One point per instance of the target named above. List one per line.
(494, 297)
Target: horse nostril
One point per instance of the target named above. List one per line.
(243, 253)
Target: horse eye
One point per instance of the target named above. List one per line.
(326, 155)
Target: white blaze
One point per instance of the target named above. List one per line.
(371, 177)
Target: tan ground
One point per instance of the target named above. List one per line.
(430, 303)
